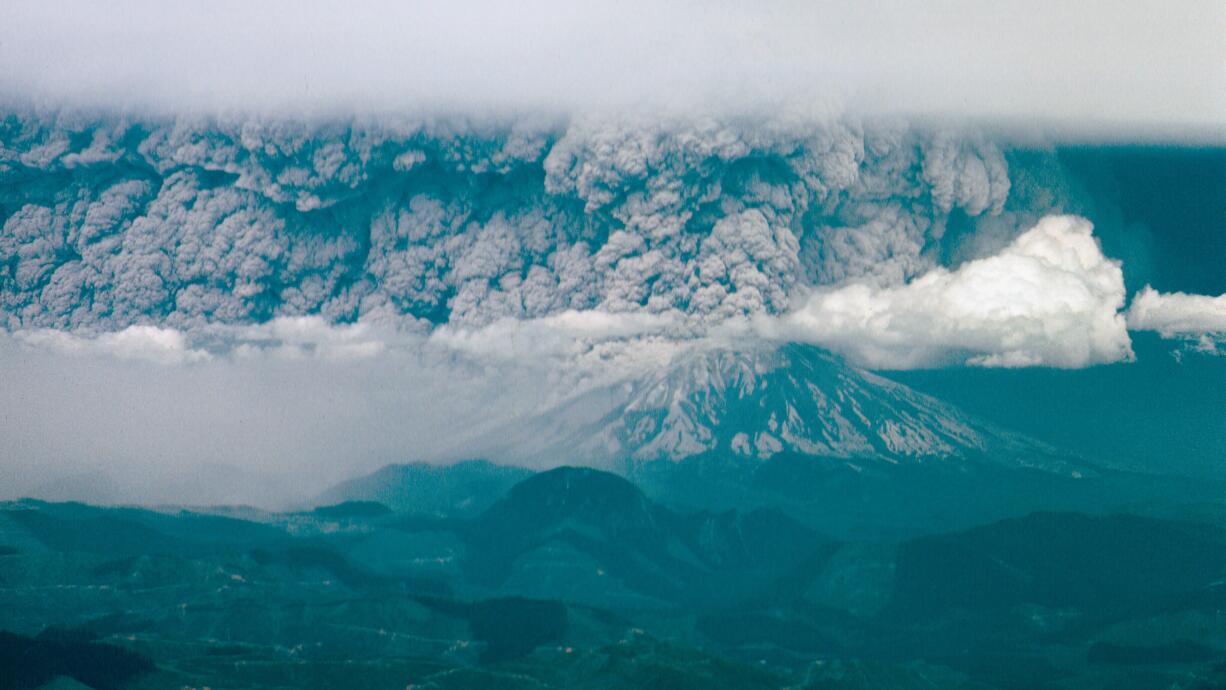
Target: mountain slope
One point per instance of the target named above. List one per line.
(761, 403)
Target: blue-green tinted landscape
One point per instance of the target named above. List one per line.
(583, 346)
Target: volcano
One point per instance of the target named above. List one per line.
(758, 404)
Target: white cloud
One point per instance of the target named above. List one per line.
(298, 336)
(1050, 298)
(1176, 314)
(149, 343)
(285, 337)
(575, 350)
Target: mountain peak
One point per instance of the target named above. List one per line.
(762, 402)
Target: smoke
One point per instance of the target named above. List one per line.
(110, 222)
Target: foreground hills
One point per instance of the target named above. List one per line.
(578, 578)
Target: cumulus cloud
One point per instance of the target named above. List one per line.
(1050, 298)
(1177, 314)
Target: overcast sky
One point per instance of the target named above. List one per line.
(1157, 68)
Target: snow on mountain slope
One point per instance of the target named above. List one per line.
(762, 402)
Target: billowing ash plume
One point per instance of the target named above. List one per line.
(111, 221)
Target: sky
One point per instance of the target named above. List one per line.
(1092, 67)
(273, 245)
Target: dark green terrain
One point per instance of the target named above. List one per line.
(575, 578)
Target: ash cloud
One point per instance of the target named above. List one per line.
(112, 222)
